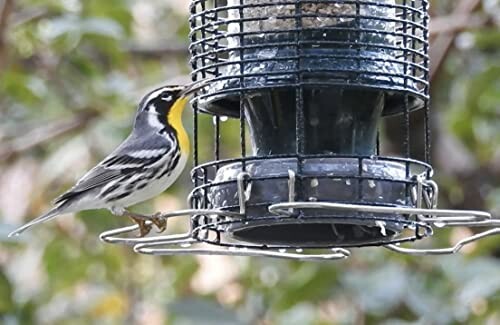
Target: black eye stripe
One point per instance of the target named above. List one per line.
(160, 96)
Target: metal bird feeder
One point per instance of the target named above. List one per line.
(309, 82)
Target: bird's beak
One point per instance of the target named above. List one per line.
(194, 87)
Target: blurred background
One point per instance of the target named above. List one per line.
(71, 74)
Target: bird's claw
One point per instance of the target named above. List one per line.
(159, 222)
(144, 226)
(145, 223)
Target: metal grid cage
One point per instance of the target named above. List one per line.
(250, 45)
(278, 65)
(306, 84)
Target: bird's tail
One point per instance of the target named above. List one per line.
(45, 217)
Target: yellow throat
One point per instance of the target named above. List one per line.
(174, 119)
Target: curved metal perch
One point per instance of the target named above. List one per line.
(183, 248)
(441, 217)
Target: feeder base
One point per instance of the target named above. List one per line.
(349, 180)
(313, 234)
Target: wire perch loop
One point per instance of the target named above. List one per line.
(190, 244)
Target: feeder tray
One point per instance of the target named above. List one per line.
(380, 182)
(310, 82)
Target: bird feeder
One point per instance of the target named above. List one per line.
(309, 83)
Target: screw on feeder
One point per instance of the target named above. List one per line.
(309, 89)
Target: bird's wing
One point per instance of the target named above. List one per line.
(133, 156)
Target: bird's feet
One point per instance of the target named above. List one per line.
(144, 226)
(144, 221)
(159, 222)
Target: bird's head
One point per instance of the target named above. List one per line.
(164, 106)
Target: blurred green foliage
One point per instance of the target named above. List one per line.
(83, 62)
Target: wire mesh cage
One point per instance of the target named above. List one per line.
(307, 84)
(256, 45)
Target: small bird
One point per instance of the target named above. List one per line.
(143, 166)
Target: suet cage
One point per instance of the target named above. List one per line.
(309, 82)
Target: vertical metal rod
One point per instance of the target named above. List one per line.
(358, 67)
(378, 142)
(205, 189)
(194, 77)
(217, 139)
(414, 37)
(407, 143)
(427, 126)
(242, 86)
(195, 140)
(406, 113)
(217, 118)
(360, 179)
(299, 99)
(205, 47)
(406, 117)
(406, 126)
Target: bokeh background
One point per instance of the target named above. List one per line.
(71, 73)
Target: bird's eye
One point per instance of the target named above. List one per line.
(167, 98)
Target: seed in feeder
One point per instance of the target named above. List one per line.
(348, 182)
(314, 182)
(371, 183)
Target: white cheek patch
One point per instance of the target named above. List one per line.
(151, 108)
(153, 120)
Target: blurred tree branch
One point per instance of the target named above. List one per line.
(29, 16)
(456, 23)
(442, 43)
(157, 51)
(29, 139)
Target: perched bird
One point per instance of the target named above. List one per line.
(143, 166)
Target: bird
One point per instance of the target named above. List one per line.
(143, 166)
